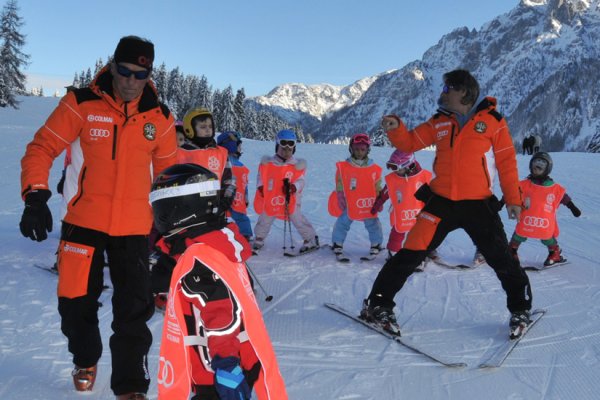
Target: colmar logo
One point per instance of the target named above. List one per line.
(441, 134)
(67, 248)
(99, 118)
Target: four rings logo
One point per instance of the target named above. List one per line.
(166, 373)
(278, 201)
(410, 214)
(536, 222)
(365, 203)
(99, 133)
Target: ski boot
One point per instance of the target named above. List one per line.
(381, 316)
(258, 244)
(309, 245)
(519, 322)
(554, 256)
(338, 250)
(84, 378)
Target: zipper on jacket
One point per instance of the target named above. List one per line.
(80, 186)
(114, 146)
(452, 136)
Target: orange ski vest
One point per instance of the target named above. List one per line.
(213, 158)
(174, 371)
(272, 202)
(359, 188)
(538, 221)
(405, 206)
(241, 182)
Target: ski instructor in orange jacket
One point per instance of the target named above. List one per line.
(472, 141)
(122, 133)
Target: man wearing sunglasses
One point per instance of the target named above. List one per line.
(472, 142)
(119, 134)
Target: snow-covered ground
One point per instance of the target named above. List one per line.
(458, 315)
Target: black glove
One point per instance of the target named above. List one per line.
(225, 203)
(61, 184)
(37, 218)
(230, 381)
(576, 211)
(424, 193)
(161, 269)
(287, 190)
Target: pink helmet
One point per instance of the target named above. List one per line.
(400, 159)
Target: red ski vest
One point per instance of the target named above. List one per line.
(538, 221)
(359, 188)
(212, 158)
(241, 183)
(272, 202)
(405, 206)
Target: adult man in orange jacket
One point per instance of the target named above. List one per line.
(472, 140)
(120, 130)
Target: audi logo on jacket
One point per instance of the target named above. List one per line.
(118, 146)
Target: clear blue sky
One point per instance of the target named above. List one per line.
(253, 44)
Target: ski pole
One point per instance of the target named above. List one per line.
(255, 279)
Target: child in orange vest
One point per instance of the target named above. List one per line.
(406, 178)
(358, 182)
(232, 141)
(214, 341)
(542, 196)
(279, 187)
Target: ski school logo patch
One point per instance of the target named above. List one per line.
(150, 131)
(480, 127)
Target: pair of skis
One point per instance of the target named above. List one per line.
(494, 358)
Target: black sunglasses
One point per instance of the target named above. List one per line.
(126, 72)
(446, 88)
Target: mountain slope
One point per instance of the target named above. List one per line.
(539, 60)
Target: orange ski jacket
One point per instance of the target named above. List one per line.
(121, 145)
(466, 159)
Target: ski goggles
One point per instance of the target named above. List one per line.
(290, 144)
(396, 167)
(126, 72)
(447, 88)
(361, 139)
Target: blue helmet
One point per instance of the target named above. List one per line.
(286, 138)
(230, 141)
(286, 134)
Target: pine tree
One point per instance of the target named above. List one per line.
(239, 111)
(12, 59)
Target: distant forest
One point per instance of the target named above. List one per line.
(182, 92)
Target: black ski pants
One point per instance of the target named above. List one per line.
(81, 264)
(480, 220)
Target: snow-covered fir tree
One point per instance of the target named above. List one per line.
(12, 59)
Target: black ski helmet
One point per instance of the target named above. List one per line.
(542, 155)
(184, 195)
